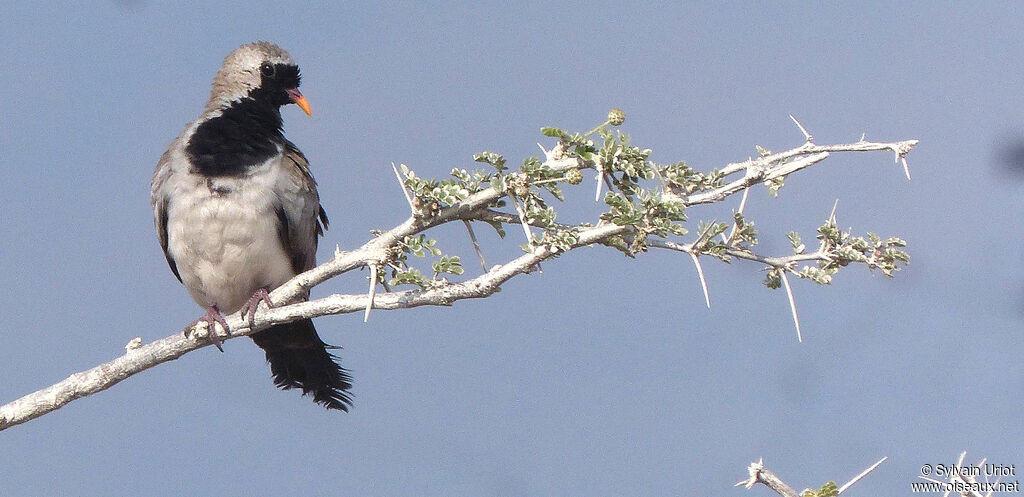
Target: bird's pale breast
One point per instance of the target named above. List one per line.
(224, 234)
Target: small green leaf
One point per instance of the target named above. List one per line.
(554, 132)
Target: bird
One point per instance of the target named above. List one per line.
(238, 214)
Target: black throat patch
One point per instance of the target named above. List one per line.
(246, 134)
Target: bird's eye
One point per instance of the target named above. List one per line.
(268, 70)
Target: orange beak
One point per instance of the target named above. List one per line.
(300, 100)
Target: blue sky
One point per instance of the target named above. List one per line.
(601, 376)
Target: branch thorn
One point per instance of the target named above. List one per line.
(522, 220)
(401, 183)
(476, 245)
(906, 168)
(802, 129)
(792, 304)
(862, 475)
(703, 283)
(553, 153)
(372, 293)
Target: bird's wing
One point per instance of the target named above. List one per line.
(159, 199)
(300, 216)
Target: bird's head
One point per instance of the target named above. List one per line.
(261, 71)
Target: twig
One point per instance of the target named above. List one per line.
(775, 262)
(755, 175)
(900, 147)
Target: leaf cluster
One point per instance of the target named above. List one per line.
(827, 490)
(648, 198)
(418, 245)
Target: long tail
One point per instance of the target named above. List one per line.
(299, 359)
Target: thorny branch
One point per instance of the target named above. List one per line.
(760, 474)
(638, 219)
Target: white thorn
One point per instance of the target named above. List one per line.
(906, 168)
(703, 284)
(832, 217)
(373, 292)
(402, 184)
(522, 219)
(792, 305)
(863, 136)
(802, 129)
(548, 154)
(862, 475)
(600, 184)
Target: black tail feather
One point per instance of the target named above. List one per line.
(299, 359)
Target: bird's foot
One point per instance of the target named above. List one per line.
(249, 309)
(211, 318)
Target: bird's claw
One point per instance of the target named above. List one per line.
(211, 318)
(249, 309)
